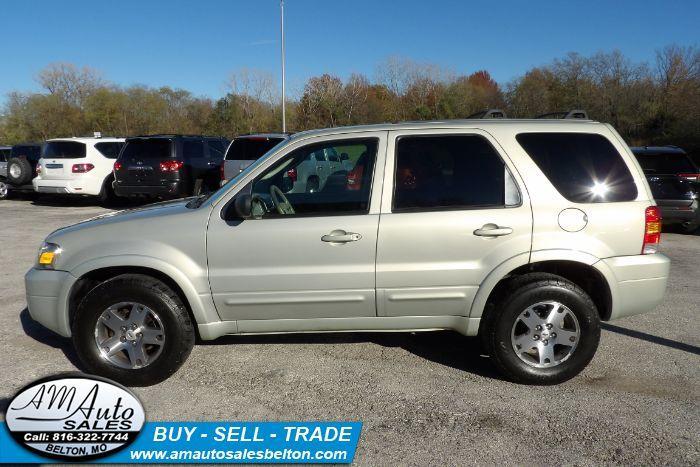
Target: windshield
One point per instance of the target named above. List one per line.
(151, 148)
(221, 191)
(250, 149)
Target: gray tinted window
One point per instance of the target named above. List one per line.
(110, 150)
(583, 167)
(151, 148)
(450, 172)
(192, 149)
(63, 150)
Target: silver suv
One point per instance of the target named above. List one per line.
(528, 233)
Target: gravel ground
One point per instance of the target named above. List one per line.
(427, 398)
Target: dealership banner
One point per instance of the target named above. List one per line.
(206, 442)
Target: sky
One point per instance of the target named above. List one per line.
(196, 45)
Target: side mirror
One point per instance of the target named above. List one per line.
(243, 206)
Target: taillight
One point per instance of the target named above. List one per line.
(171, 166)
(652, 230)
(690, 176)
(355, 178)
(81, 168)
(117, 166)
(38, 169)
(292, 174)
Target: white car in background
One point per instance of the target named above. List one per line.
(78, 166)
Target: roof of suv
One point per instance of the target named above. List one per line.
(441, 124)
(175, 136)
(657, 150)
(264, 135)
(80, 139)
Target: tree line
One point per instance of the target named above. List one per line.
(648, 103)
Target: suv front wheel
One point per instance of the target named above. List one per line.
(133, 329)
(544, 330)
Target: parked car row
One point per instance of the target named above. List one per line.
(176, 166)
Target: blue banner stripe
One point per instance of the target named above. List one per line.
(221, 442)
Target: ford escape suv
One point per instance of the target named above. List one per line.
(528, 233)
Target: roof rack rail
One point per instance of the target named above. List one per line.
(489, 113)
(571, 114)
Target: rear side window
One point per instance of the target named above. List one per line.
(192, 149)
(250, 149)
(450, 172)
(109, 150)
(583, 167)
(216, 149)
(152, 148)
(31, 152)
(63, 150)
(666, 164)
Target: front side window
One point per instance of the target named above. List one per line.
(63, 150)
(583, 167)
(450, 172)
(299, 185)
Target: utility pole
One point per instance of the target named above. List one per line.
(284, 116)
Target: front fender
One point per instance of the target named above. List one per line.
(197, 295)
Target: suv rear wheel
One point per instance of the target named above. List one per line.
(133, 329)
(544, 330)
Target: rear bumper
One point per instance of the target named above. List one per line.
(637, 283)
(680, 215)
(168, 189)
(47, 298)
(79, 186)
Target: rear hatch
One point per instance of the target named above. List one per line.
(244, 151)
(671, 191)
(141, 159)
(62, 160)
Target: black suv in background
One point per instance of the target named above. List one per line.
(19, 168)
(674, 180)
(169, 166)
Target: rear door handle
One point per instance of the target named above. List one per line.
(341, 236)
(492, 230)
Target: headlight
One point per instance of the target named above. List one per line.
(48, 253)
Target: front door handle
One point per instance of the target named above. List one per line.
(492, 230)
(341, 236)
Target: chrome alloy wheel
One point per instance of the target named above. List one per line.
(3, 189)
(129, 335)
(545, 334)
(15, 170)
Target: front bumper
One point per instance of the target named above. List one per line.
(637, 283)
(47, 298)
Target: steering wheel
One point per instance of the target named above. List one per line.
(280, 201)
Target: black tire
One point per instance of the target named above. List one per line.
(312, 184)
(107, 196)
(4, 189)
(689, 229)
(23, 171)
(178, 330)
(521, 293)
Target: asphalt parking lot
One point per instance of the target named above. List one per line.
(424, 398)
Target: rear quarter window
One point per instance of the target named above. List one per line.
(109, 150)
(583, 167)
